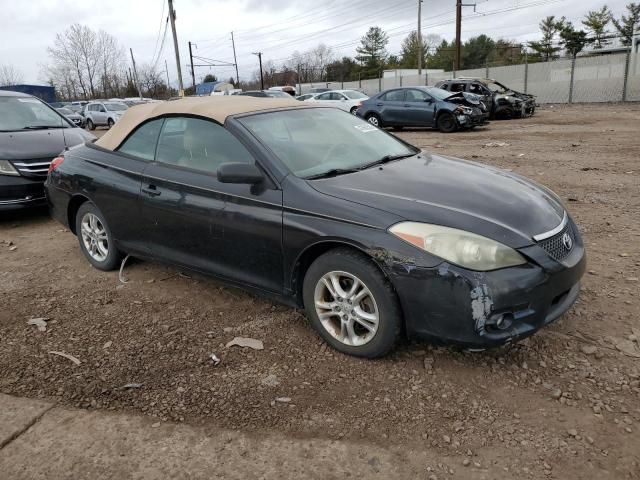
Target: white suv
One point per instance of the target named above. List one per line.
(103, 113)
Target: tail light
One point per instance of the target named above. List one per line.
(55, 163)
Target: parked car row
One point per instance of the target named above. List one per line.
(451, 105)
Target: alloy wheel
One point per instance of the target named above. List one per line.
(346, 308)
(373, 120)
(94, 237)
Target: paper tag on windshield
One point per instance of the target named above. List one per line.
(365, 128)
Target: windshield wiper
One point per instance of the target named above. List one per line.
(42, 127)
(386, 159)
(332, 173)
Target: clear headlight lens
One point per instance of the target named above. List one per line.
(7, 169)
(458, 246)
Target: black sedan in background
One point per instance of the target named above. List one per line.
(77, 119)
(424, 107)
(317, 208)
(31, 135)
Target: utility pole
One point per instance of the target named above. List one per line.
(166, 69)
(458, 31)
(193, 75)
(459, 6)
(235, 60)
(420, 54)
(172, 17)
(135, 73)
(259, 54)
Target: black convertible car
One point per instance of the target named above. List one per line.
(318, 208)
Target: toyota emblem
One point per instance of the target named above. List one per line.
(567, 242)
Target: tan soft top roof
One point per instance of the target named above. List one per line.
(217, 108)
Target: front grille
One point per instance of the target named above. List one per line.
(555, 246)
(35, 168)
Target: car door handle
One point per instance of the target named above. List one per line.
(151, 190)
(379, 104)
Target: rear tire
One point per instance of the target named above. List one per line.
(362, 317)
(447, 123)
(96, 241)
(90, 124)
(374, 120)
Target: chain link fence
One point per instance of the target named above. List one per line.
(612, 77)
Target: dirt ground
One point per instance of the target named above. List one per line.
(563, 404)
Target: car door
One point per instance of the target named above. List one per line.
(230, 230)
(116, 182)
(100, 114)
(420, 108)
(391, 107)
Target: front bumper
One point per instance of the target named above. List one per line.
(18, 192)
(454, 305)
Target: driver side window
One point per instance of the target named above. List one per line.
(199, 145)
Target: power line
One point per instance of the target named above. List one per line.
(159, 30)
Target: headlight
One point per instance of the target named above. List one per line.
(7, 169)
(458, 246)
(465, 110)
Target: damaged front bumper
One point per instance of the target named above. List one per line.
(479, 310)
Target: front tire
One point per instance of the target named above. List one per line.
(351, 304)
(374, 120)
(96, 241)
(110, 123)
(353, 110)
(447, 123)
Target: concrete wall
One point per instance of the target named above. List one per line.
(596, 79)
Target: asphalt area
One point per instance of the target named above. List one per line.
(563, 404)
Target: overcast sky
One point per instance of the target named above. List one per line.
(275, 27)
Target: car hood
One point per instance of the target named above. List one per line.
(40, 143)
(454, 193)
(470, 99)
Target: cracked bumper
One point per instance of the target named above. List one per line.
(453, 305)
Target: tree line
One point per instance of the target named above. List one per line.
(558, 36)
(85, 64)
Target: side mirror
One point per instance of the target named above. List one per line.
(236, 172)
(427, 100)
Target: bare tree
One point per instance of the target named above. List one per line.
(87, 54)
(9, 75)
(112, 60)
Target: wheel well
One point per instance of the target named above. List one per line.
(72, 210)
(309, 256)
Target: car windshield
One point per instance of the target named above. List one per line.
(115, 107)
(65, 111)
(438, 93)
(497, 88)
(354, 95)
(26, 113)
(314, 141)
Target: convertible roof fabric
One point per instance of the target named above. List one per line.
(217, 108)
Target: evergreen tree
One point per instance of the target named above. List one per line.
(596, 22)
(409, 53)
(573, 40)
(550, 27)
(477, 51)
(372, 52)
(628, 24)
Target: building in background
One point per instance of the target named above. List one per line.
(43, 92)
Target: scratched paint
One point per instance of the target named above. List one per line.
(481, 304)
